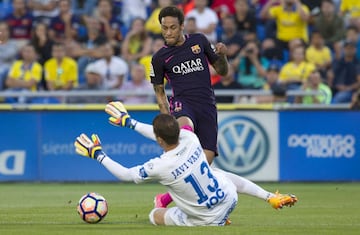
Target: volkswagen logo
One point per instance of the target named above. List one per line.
(243, 145)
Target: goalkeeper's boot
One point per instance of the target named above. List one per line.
(279, 200)
(158, 203)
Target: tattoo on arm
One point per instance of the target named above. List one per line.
(162, 99)
(221, 66)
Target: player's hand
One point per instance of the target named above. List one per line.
(119, 115)
(89, 147)
(220, 49)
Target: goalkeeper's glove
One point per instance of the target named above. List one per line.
(89, 147)
(119, 115)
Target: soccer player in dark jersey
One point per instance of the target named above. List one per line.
(184, 62)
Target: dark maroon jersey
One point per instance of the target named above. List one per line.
(186, 68)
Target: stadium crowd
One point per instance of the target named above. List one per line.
(273, 45)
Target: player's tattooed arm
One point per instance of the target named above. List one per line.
(162, 98)
(221, 65)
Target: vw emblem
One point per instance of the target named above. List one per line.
(243, 145)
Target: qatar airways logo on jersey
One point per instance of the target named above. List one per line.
(188, 67)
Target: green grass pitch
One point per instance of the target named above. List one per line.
(50, 208)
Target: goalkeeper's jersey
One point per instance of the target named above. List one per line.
(194, 186)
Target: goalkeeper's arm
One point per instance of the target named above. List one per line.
(120, 117)
(118, 170)
(91, 148)
(146, 130)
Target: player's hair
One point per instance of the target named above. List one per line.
(166, 127)
(352, 27)
(172, 11)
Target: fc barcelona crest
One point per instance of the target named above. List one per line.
(196, 49)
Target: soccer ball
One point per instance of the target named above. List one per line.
(92, 208)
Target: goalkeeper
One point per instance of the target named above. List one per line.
(203, 195)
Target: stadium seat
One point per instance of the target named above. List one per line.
(260, 31)
(44, 100)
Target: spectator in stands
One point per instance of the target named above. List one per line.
(152, 24)
(186, 5)
(137, 83)
(223, 8)
(112, 69)
(278, 90)
(319, 54)
(86, 49)
(83, 7)
(297, 70)
(24, 74)
(345, 76)
(313, 5)
(43, 10)
(251, 66)
(157, 43)
(355, 101)
(137, 42)
(245, 20)
(296, 42)
(109, 24)
(93, 83)
(61, 71)
(65, 25)
(132, 9)
(315, 83)
(271, 52)
(231, 37)
(190, 25)
(206, 19)
(20, 23)
(351, 7)
(227, 83)
(352, 34)
(42, 43)
(291, 20)
(331, 26)
(9, 52)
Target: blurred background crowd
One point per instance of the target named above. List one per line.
(273, 45)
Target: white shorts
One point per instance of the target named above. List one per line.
(175, 216)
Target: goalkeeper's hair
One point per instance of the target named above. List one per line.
(166, 127)
(172, 11)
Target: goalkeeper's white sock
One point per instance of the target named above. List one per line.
(245, 186)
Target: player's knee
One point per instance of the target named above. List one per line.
(151, 216)
(156, 216)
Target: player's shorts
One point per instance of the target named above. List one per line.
(174, 216)
(204, 117)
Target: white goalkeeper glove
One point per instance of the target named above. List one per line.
(89, 147)
(119, 115)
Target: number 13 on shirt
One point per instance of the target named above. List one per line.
(213, 187)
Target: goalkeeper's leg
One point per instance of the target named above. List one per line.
(245, 186)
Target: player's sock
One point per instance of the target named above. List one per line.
(187, 127)
(162, 200)
(245, 186)
(166, 199)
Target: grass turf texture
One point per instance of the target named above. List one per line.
(50, 208)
